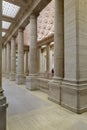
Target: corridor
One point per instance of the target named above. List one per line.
(33, 111)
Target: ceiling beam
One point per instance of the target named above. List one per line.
(4, 30)
(17, 2)
(8, 19)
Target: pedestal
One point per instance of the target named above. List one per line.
(20, 79)
(12, 77)
(55, 91)
(31, 83)
(74, 96)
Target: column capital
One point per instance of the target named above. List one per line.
(13, 37)
(33, 16)
(21, 29)
(8, 42)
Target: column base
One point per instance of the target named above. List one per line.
(31, 83)
(7, 76)
(3, 107)
(54, 93)
(74, 96)
(12, 77)
(26, 74)
(3, 75)
(20, 79)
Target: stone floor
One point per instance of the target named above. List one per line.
(33, 111)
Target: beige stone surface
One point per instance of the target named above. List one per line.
(8, 59)
(48, 59)
(55, 84)
(31, 82)
(59, 39)
(26, 69)
(20, 68)
(50, 116)
(82, 30)
(33, 56)
(74, 87)
(5, 61)
(13, 59)
(71, 40)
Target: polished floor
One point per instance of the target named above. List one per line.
(33, 111)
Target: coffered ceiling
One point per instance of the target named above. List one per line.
(16, 13)
(12, 11)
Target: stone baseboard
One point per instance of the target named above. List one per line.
(74, 96)
(20, 79)
(31, 83)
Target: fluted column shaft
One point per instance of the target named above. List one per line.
(59, 40)
(26, 69)
(20, 52)
(20, 69)
(31, 83)
(5, 60)
(39, 59)
(48, 58)
(8, 59)
(56, 83)
(33, 63)
(13, 59)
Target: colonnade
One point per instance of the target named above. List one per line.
(69, 84)
(10, 70)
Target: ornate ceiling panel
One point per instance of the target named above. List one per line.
(12, 10)
(16, 13)
(9, 9)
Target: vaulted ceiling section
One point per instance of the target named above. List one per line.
(16, 13)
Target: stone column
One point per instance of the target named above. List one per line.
(8, 59)
(47, 60)
(20, 69)
(55, 84)
(33, 56)
(2, 97)
(33, 45)
(39, 59)
(3, 61)
(74, 86)
(26, 69)
(13, 59)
